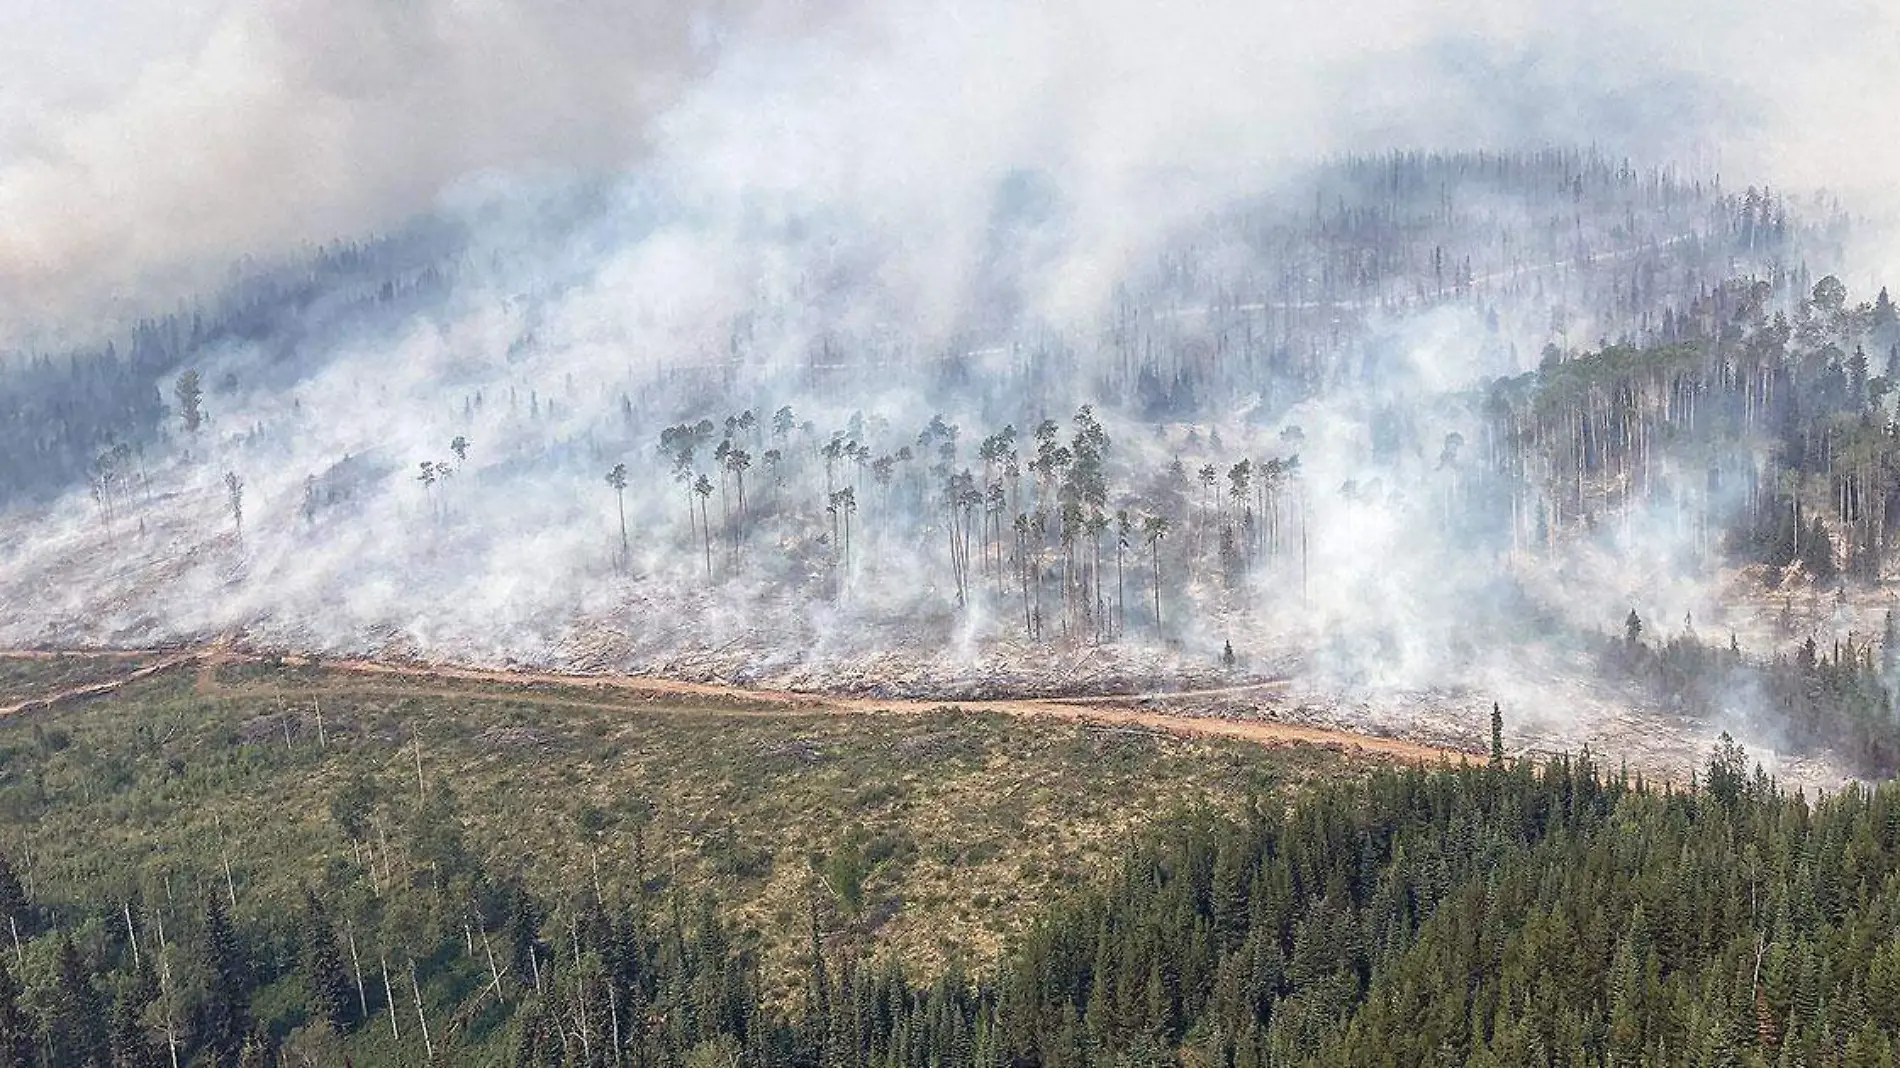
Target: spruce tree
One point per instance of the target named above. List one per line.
(129, 1045)
(77, 1024)
(13, 903)
(17, 1029)
(226, 1008)
(331, 997)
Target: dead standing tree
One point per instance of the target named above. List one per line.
(234, 500)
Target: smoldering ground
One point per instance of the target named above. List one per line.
(984, 212)
(140, 155)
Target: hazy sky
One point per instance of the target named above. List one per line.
(140, 141)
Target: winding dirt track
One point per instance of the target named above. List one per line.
(1106, 711)
(91, 689)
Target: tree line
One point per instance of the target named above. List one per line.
(1508, 913)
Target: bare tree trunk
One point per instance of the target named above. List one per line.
(706, 530)
(1121, 596)
(356, 965)
(494, 973)
(1022, 576)
(1156, 548)
(580, 993)
(613, 1007)
(416, 734)
(416, 989)
(389, 996)
(131, 933)
(620, 497)
(165, 993)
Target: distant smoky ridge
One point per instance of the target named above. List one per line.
(1311, 427)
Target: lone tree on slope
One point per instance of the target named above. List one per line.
(190, 392)
(617, 478)
(234, 498)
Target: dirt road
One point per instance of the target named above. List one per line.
(91, 689)
(1108, 711)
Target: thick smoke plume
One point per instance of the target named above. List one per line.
(877, 216)
(137, 153)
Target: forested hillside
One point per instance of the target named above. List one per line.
(415, 806)
(94, 416)
(1560, 914)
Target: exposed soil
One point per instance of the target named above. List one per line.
(1110, 711)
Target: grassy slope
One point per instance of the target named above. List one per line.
(965, 823)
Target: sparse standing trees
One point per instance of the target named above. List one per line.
(1095, 525)
(106, 475)
(428, 476)
(1070, 529)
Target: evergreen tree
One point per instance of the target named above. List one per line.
(190, 394)
(17, 1030)
(332, 999)
(77, 1023)
(130, 1046)
(13, 903)
(226, 1008)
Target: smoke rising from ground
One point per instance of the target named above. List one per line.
(874, 214)
(130, 167)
